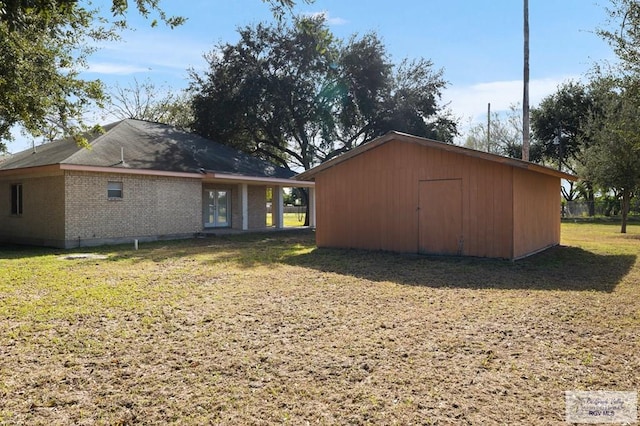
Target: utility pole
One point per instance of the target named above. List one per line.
(525, 91)
(489, 127)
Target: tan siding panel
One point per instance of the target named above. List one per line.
(502, 229)
(371, 200)
(440, 216)
(536, 212)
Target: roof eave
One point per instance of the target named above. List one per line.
(125, 170)
(232, 178)
(34, 170)
(218, 177)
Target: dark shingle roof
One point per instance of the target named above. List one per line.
(150, 146)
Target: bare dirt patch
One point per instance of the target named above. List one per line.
(269, 329)
(82, 256)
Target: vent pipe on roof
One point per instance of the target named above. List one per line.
(122, 155)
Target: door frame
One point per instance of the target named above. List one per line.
(207, 205)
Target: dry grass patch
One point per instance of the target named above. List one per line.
(268, 329)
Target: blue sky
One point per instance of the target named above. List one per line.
(478, 44)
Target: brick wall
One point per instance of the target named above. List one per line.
(42, 220)
(257, 195)
(150, 206)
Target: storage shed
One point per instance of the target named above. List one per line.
(408, 194)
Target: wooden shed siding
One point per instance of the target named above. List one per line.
(488, 214)
(536, 211)
(371, 200)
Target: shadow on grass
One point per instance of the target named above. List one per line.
(559, 268)
(244, 250)
(24, 252)
(249, 249)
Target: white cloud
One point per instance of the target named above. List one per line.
(112, 68)
(155, 50)
(330, 20)
(470, 102)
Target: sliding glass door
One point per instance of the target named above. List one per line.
(216, 208)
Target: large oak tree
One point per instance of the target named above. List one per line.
(298, 96)
(560, 129)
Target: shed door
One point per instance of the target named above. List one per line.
(440, 217)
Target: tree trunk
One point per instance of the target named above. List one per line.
(305, 199)
(591, 200)
(626, 199)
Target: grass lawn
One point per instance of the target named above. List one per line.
(290, 219)
(262, 329)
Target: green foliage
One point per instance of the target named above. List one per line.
(295, 197)
(623, 33)
(44, 44)
(19, 14)
(611, 205)
(43, 49)
(613, 160)
(280, 8)
(39, 84)
(558, 124)
(411, 104)
(296, 95)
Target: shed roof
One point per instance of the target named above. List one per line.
(403, 137)
(145, 145)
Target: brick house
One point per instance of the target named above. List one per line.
(137, 180)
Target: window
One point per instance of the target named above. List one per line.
(114, 190)
(16, 199)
